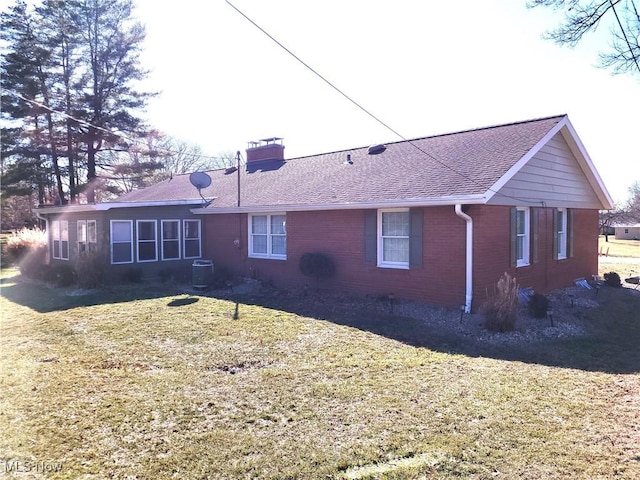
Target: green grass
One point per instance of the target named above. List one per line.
(149, 384)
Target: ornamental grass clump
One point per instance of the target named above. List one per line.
(501, 309)
(27, 249)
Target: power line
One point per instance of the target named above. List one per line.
(377, 119)
(624, 33)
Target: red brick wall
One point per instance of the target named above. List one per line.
(492, 251)
(441, 278)
(340, 234)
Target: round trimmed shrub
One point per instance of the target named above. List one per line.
(317, 265)
(538, 305)
(612, 279)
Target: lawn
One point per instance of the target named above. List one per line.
(619, 248)
(146, 383)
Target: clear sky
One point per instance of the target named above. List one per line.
(423, 67)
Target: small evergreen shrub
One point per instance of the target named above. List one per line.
(317, 265)
(501, 309)
(538, 305)
(28, 250)
(60, 275)
(91, 270)
(612, 279)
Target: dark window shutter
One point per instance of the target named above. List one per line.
(514, 235)
(535, 234)
(415, 237)
(555, 233)
(370, 236)
(569, 233)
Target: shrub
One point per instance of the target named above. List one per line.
(60, 275)
(501, 310)
(538, 305)
(27, 249)
(91, 269)
(317, 265)
(612, 279)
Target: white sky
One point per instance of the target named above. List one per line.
(423, 67)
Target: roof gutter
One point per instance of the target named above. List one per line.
(469, 258)
(98, 207)
(400, 203)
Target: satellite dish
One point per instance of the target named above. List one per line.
(200, 180)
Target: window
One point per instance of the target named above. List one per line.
(92, 235)
(121, 241)
(170, 239)
(191, 237)
(561, 233)
(393, 238)
(147, 245)
(268, 236)
(520, 234)
(86, 236)
(60, 238)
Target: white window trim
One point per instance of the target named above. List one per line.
(269, 254)
(162, 240)
(185, 239)
(155, 240)
(57, 254)
(111, 242)
(55, 226)
(95, 228)
(381, 262)
(562, 235)
(78, 242)
(526, 260)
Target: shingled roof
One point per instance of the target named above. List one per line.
(455, 167)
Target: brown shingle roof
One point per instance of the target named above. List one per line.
(453, 165)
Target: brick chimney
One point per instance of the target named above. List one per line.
(265, 149)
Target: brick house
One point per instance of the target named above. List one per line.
(436, 219)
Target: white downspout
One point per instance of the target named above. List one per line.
(469, 258)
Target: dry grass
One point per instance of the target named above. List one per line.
(153, 385)
(619, 248)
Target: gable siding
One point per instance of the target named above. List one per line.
(552, 176)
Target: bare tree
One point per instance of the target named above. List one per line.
(583, 16)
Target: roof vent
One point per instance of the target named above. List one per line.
(376, 149)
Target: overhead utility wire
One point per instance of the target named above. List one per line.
(110, 132)
(624, 34)
(395, 132)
